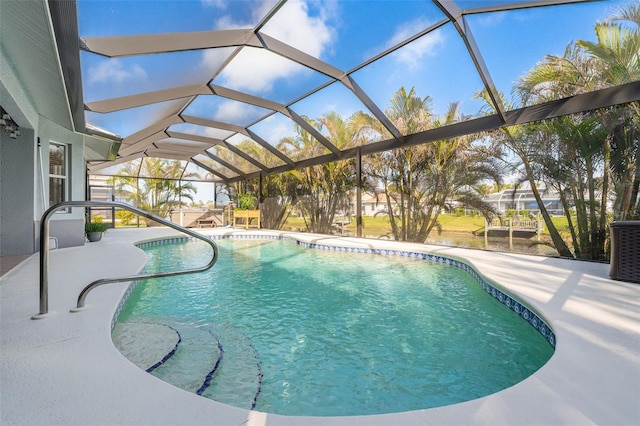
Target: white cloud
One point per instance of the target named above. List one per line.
(411, 55)
(215, 133)
(275, 130)
(293, 25)
(256, 70)
(227, 23)
(490, 20)
(218, 4)
(212, 59)
(113, 71)
(233, 112)
(258, 9)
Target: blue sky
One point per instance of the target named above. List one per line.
(341, 33)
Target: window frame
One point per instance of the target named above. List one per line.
(64, 176)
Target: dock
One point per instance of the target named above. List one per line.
(526, 228)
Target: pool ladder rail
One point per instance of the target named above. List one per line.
(44, 253)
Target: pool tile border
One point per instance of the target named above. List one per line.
(522, 310)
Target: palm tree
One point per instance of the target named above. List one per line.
(524, 142)
(419, 181)
(155, 185)
(278, 192)
(279, 197)
(617, 56)
(616, 51)
(460, 165)
(399, 171)
(573, 151)
(324, 188)
(586, 66)
(625, 165)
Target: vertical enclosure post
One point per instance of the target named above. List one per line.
(359, 193)
(510, 234)
(486, 232)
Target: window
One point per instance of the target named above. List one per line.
(58, 173)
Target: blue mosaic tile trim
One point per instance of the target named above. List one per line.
(524, 311)
(209, 377)
(152, 243)
(124, 299)
(169, 355)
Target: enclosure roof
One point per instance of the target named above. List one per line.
(220, 85)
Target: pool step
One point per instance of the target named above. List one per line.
(238, 379)
(144, 344)
(196, 358)
(219, 363)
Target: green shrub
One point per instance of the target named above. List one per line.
(246, 202)
(126, 217)
(95, 226)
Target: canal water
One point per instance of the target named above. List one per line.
(468, 240)
(519, 245)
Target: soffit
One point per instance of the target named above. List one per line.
(29, 45)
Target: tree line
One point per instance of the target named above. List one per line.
(590, 159)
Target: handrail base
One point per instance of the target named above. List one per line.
(79, 309)
(43, 316)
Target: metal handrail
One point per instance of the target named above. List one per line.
(44, 251)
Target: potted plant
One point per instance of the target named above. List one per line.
(94, 229)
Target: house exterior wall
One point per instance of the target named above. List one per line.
(370, 204)
(372, 208)
(524, 201)
(67, 227)
(17, 193)
(24, 167)
(23, 196)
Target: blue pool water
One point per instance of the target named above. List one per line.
(298, 331)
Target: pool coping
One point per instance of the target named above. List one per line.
(65, 369)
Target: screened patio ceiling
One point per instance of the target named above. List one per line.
(220, 85)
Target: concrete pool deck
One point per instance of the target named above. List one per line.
(65, 370)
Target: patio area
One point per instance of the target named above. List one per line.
(65, 370)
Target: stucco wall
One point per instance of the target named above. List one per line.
(24, 191)
(67, 227)
(23, 199)
(17, 193)
(23, 195)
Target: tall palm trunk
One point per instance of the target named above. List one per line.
(558, 242)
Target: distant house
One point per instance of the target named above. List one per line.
(372, 203)
(523, 200)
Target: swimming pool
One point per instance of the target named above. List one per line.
(308, 332)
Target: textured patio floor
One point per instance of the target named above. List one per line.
(64, 369)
